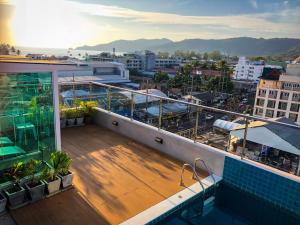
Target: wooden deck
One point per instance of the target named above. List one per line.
(115, 179)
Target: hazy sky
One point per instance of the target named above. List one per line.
(70, 23)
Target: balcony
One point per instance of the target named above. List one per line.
(116, 178)
(127, 161)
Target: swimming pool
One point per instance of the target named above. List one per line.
(227, 205)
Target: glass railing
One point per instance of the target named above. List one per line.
(266, 141)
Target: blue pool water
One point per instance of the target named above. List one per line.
(228, 206)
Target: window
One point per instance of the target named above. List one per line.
(271, 104)
(259, 111)
(260, 102)
(293, 117)
(282, 105)
(284, 95)
(294, 107)
(269, 113)
(273, 94)
(280, 114)
(296, 97)
(262, 92)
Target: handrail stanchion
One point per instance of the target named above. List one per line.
(196, 125)
(245, 139)
(160, 114)
(109, 99)
(132, 105)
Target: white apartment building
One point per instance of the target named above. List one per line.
(250, 70)
(146, 62)
(279, 97)
(169, 62)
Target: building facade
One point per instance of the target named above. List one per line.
(279, 97)
(250, 70)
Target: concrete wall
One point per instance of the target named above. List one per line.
(176, 146)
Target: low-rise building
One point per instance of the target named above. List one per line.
(279, 95)
(250, 70)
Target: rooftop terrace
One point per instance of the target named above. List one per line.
(116, 178)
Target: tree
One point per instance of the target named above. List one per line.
(214, 84)
(205, 56)
(18, 52)
(215, 55)
(160, 76)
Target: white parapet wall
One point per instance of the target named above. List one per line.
(181, 148)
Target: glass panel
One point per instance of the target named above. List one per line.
(26, 117)
(146, 109)
(120, 102)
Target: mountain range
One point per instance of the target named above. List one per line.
(233, 46)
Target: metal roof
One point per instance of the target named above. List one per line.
(277, 136)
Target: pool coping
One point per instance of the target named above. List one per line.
(168, 204)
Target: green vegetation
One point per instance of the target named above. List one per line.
(160, 76)
(221, 84)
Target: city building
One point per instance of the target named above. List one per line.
(250, 70)
(147, 61)
(104, 72)
(131, 172)
(278, 95)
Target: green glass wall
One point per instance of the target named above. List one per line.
(26, 117)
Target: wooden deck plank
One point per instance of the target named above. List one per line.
(118, 177)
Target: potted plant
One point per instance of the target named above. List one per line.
(16, 193)
(88, 109)
(35, 186)
(79, 116)
(61, 161)
(70, 116)
(51, 180)
(3, 202)
(63, 120)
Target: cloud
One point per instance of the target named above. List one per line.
(253, 3)
(260, 22)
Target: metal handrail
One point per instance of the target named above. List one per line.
(246, 116)
(194, 173)
(206, 167)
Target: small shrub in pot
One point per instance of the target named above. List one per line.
(16, 193)
(61, 161)
(35, 186)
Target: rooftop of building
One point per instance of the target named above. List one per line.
(116, 178)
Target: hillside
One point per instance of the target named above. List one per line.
(232, 46)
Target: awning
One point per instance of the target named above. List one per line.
(264, 136)
(225, 125)
(169, 108)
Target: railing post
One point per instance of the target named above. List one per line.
(90, 90)
(196, 125)
(109, 99)
(160, 114)
(132, 106)
(245, 139)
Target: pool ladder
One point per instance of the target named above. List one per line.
(195, 174)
